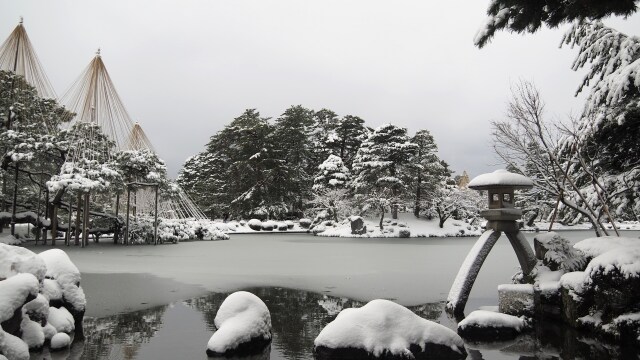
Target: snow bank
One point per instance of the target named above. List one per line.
(14, 292)
(9, 240)
(597, 246)
(490, 319)
(15, 260)
(382, 326)
(242, 319)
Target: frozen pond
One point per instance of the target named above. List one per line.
(147, 302)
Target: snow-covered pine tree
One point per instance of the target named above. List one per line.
(330, 188)
(292, 181)
(380, 168)
(324, 123)
(426, 167)
(529, 16)
(346, 138)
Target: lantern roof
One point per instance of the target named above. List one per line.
(499, 179)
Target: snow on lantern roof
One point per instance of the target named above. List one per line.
(500, 178)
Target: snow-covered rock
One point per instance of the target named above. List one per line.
(61, 319)
(244, 326)
(32, 333)
(60, 341)
(15, 260)
(489, 325)
(13, 347)
(593, 247)
(15, 292)
(49, 331)
(64, 271)
(384, 328)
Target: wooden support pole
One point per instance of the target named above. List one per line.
(85, 223)
(37, 229)
(15, 200)
(126, 234)
(77, 230)
(54, 224)
(67, 236)
(117, 232)
(155, 221)
(46, 216)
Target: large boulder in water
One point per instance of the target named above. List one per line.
(244, 326)
(384, 329)
(483, 325)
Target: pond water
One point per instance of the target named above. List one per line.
(133, 315)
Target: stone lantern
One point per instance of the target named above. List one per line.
(501, 217)
(500, 185)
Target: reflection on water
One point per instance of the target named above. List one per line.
(181, 331)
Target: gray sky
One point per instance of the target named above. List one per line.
(184, 69)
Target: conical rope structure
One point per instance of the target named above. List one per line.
(18, 56)
(95, 100)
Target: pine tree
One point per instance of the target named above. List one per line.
(346, 138)
(379, 167)
(330, 188)
(292, 149)
(426, 166)
(529, 16)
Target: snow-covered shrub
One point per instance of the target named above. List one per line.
(255, 224)
(305, 223)
(404, 233)
(557, 253)
(282, 226)
(268, 225)
(289, 224)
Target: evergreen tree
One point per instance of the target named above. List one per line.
(346, 138)
(427, 168)
(292, 149)
(529, 16)
(380, 168)
(330, 188)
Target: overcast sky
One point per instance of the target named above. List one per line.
(184, 69)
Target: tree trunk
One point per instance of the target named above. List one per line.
(77, 229)
(416, 207)
(381, 216)
(117, 232)
(441, 222)
(85, 223)
(54, 224)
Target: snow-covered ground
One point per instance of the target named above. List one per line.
(418, 227)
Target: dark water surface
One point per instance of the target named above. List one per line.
(181, 329)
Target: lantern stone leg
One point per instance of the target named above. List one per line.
(461, 288)
(525, 254)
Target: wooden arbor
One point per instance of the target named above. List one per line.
(501, 217)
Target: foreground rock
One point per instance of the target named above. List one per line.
(244, 326)
(384, 329)
(38, 295)
(483, 325)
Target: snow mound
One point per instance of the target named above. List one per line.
(500, 178)
(32, 333)
(242, 318)
(382, 326)
(491, 319)
(14, 260)
(14, 292)
(574, 282)
(597, 246)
